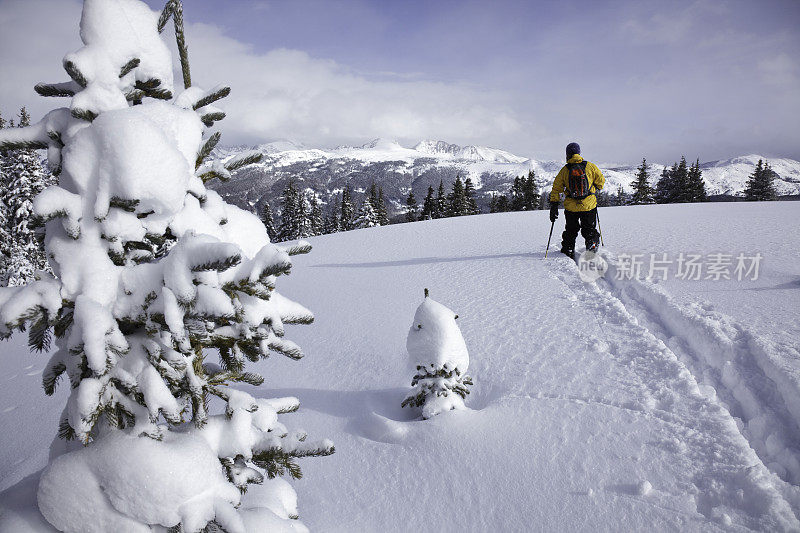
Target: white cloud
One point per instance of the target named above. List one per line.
(289, 94)
(691, 79)
(280, 94)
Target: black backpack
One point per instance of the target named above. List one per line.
(577, 181)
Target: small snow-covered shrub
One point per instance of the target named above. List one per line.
(436, 346)
(153, 273)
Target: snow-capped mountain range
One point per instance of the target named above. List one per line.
(398, 169)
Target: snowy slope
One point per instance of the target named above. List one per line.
(652, 414)
(399, 169)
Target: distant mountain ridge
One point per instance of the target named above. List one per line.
(398, 169)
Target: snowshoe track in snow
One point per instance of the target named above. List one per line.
(731, 368)
(737, 363)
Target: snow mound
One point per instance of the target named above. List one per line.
(434, 338)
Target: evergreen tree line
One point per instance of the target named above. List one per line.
(680, 183)
(524, 196)
(301, 213)
(459, 202)
(22, 177)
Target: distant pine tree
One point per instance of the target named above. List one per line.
(665, 187)
(373, 196)
(411, 207)
(269, 222)
(469, 196)
(518, 195)
(621, 198)
(428, 206)
(493, 203)
(682, 188)
(503, 204)
(760, 187)
(530, 192)
(332, 218)
(346, 211)
(642, 191)
(695, 183)
(291, 226)
(456, 200)
(441, 202)
(380, 209)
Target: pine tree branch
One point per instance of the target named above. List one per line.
(212, 97)
(207, 148)
(68, 88)
(84, 114)
(23, 145)
(129, 66)
(214, 116)
(74, 73)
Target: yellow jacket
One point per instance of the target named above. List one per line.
(596, 183)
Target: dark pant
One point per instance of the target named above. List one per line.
(585, 221)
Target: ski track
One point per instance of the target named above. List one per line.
(736, 373)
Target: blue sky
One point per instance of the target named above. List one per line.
(709, 79)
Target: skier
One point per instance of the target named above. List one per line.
(578, 180)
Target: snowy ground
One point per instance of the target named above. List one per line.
(616, 405)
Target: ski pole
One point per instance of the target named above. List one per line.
(599, 229)
(548, 238)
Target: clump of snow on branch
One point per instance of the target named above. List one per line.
(152, 273)
(438, 350)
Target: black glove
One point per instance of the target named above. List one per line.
(553, 211)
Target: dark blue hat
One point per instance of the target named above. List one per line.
(572, 149)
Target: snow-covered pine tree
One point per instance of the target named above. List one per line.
(642, 191)
(316, 220)
(469, 197)
(456, 200)
(269, 221)
(346, 211)
(367, 217)
(412, 207)
(760, 186)
(24, 179)
(695, 183)
(428, 206)
(5, 238)
(436, 346)
(155, 272)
